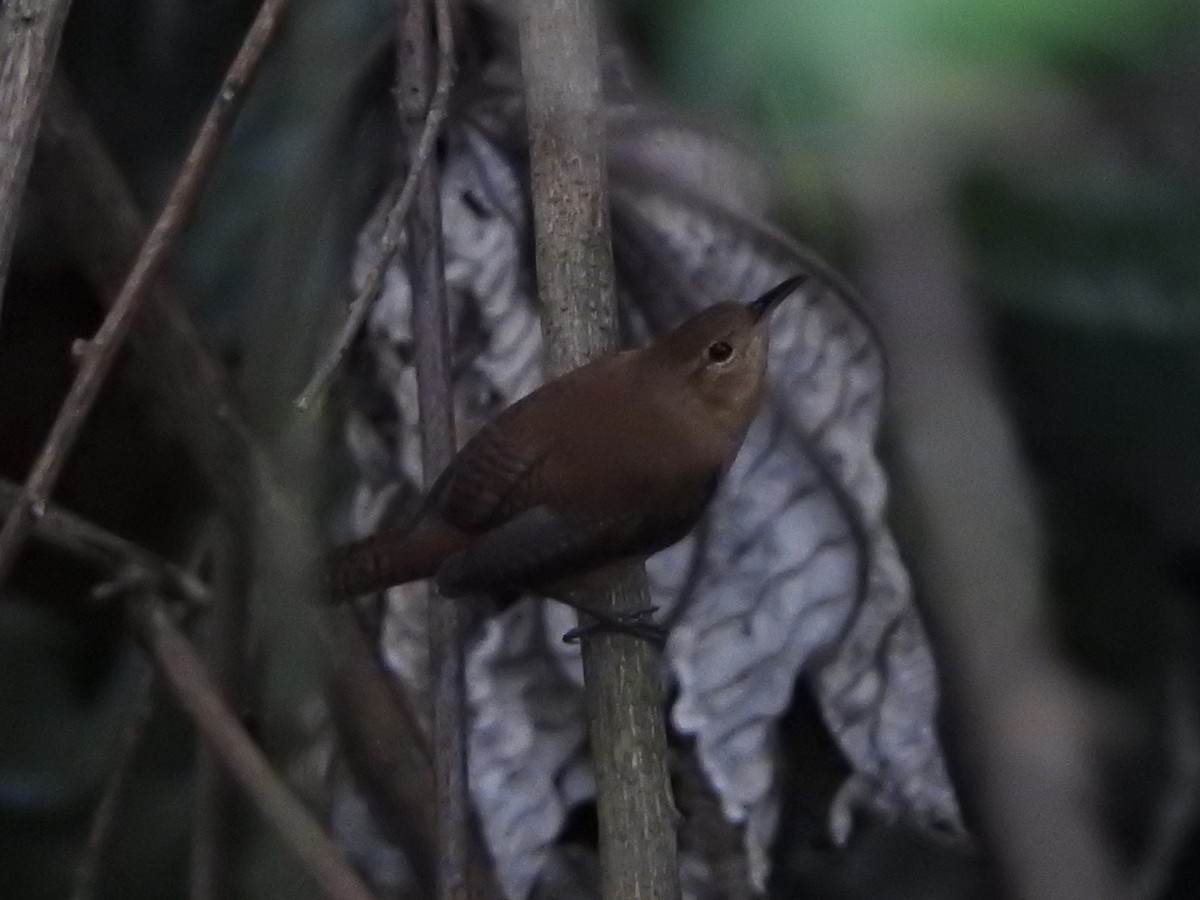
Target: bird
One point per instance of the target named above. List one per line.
(608, 463)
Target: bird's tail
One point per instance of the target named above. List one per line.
(390, 558)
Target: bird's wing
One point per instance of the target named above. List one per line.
(543, 545)
(538, 547)
(489, 481)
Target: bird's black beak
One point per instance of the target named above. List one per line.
(761, 308)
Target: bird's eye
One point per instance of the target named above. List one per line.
(720, 351)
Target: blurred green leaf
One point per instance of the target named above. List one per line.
(1099, 248)
(880, 59)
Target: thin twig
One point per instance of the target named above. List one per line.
(89, 199)
(397, 218)
(448, 622)
(103, 348)
(86, 540)
(81, 186)
(183, 672)
(215, 826)
(382, 740)
(30, 32)
(560, 65)
(705, 831)
(87, 871)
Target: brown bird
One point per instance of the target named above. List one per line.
(611, 462)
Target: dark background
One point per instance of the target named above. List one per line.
(1063, 142)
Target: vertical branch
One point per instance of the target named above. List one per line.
(389, 241)
(215, 827)
(30, 31)
(448, 622)
(1024, 719)
(382, 739)
(569, 179)
(560, 62)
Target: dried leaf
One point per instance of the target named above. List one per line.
(799, 571)
(794, 571)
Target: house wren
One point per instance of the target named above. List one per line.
(613, 461)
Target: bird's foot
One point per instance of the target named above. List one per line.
(636, 624)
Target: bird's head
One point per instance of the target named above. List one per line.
(721, 354)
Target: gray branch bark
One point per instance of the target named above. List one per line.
(448, 620)
(30, 32)
(560, 62)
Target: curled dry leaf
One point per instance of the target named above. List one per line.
(798, 570)
(794, 573)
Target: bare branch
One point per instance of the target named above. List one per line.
(381, 738)
(215, 832)
(1023, 717)
(88, 197)
(183, 672)
(560, 64)
(102, 349)
(91, 202)
(30, 31)
(87, 871)
(81, 538)
(383, 742)
(448, 621)
(394, 229)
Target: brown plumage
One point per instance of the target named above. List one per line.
(613, 461)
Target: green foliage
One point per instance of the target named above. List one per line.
(802, 66)
(1101, 249)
